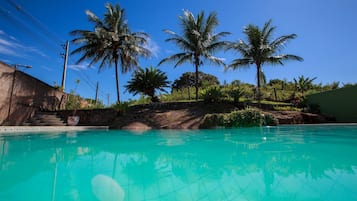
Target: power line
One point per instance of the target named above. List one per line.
(42, 30)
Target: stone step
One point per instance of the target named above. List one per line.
(45, 119)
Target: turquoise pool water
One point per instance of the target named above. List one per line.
(294, 163)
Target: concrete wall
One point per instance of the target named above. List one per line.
(28, 95)
(340, 103)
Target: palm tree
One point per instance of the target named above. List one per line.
(303, 84)
(111, 42)
(198, 41)
(147, 82)
(260, 49)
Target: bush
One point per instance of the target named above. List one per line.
(234, 93)
(244, 118)
(241, 118)
(212, 121)
(212, 95)
(120, 106)
(269, 120)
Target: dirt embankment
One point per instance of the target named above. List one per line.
(189, 115)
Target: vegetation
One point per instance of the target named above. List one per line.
(111, 42)
(259, 49)
(147, 82)
(212, 94)
(198, 42)
(241, 118)
(303, 84)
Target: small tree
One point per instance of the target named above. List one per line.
(147, 82)
(303, 84)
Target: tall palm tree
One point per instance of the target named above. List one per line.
(260, 49)
(111, 42)
(198, 41)
(147, 82)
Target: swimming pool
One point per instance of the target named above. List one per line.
(290, 163)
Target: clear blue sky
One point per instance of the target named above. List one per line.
(32, 32)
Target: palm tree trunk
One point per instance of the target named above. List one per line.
(196, 82)
(197, 63)
(258, 83)
(117, 81)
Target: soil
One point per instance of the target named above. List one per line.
(180, 115)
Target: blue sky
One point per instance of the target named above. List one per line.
(32, 33)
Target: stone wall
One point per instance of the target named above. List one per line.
(94, 117)
(21, 95)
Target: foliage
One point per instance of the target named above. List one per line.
(188, 80)
(269, 120)
(303, 84)
(73, 101)
(212, 94)
(111, 42)
(259, 49)
(243, 118)
(198, 41)
(147, 82)
(120, 106)
(235, 93)
(240, 118)
(286, 108)
(142, 100)
(212, 121)
(92, 104)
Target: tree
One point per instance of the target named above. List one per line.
(198, 41)
(188, 80)
(259, 49)
(147, 82)
(111, 42)
(303, 84)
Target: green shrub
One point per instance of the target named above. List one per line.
(212, 95)
(243, 118)
(73, 102)
(286, 108)
(120, 106)
(269, 120)
(234, 93)
(212, 121)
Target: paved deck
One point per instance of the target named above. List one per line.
(21, 129)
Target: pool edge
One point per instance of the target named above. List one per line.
(20, 129)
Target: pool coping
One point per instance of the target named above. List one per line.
(21, 129)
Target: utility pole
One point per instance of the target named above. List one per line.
(96, 93)
(65, 66)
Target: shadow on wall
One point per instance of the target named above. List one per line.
(22, 95)
(339, 103)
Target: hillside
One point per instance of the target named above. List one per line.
(180, 115)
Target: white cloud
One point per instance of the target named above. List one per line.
(79, 67)
(7, 51)
(11, 47)
(153, 47)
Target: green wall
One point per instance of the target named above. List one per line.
(340, 103)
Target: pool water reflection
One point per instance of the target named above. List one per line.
(276, 163)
